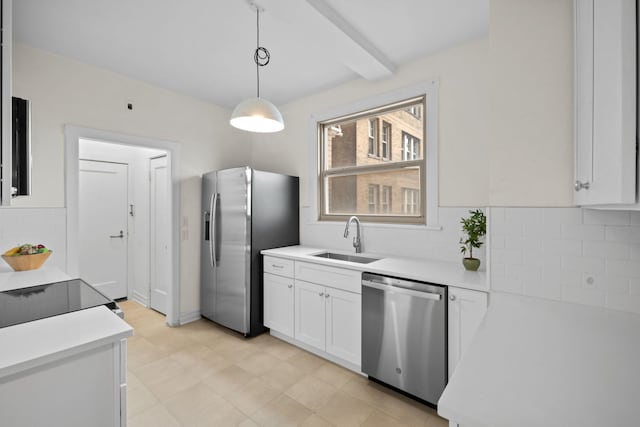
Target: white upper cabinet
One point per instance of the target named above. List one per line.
(605, 102)
(6, 108)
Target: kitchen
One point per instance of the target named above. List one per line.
(506, 114)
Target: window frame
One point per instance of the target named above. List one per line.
(386, 153)
(372, 128)
(428, 89)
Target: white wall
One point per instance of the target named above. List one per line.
(505, 126)
(464, 128)
(462, 141)
(531, 103)
(64, 91)
(39, 226)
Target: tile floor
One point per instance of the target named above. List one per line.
(203, 375)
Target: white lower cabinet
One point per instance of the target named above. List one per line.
(310, 314)
(329, 320)
(466, 310)
(315, 306)
(278, 303)
(343, 325)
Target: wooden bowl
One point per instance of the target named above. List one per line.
(26, 262)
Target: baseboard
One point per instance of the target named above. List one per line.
(317, 352)
(189, 317)
(140, 298)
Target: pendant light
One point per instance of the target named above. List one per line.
(257, 114)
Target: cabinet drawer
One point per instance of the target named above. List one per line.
(340, 278)
(279, 266)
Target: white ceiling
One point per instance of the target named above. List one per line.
(204, 48)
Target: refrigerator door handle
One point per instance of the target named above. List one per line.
(212, 228)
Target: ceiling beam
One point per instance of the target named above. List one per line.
(368, 61)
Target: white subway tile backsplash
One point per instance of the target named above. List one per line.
(622, 234)
(572, 254)
(542, 289)
(503, 228)
(584, 264)
(47, 226)
(604, 249)
(517, 242)
(542, 230)
(562, 247)
(634, 217)
(561, 277)
(551, 216)
(498, 242)
(583, 232)
(605, 217)
(630, 269)
(523, 215)
(507, 256)
(612, 283)
(506, 284)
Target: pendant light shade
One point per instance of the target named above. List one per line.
(257, 114)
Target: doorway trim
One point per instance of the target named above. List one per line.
(73, 134)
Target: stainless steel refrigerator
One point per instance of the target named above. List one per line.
(245, 211)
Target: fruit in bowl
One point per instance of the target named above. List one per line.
(26, 257)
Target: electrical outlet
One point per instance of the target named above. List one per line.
(588, 281)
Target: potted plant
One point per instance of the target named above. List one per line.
(475, 227)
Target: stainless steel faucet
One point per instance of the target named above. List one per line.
(356, 239)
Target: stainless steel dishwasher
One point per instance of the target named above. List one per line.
(404, 334)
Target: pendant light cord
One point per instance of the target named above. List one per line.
(261, 55)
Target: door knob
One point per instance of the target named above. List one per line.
(119, 236)
(579, 185)
(452, 297)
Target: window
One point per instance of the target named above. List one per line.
(385, 140)
(374, 190)
(373, 143)
(410, 147)
(415, 111)
(410, 199)
(363, 166)
(385, 202)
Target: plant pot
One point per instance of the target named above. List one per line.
(471, 264)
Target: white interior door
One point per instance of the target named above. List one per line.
(102, 221)
(160, 208)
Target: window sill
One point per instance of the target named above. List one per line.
(381, 225)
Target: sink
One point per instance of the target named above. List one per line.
(349, 258)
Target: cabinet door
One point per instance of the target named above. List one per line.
(466, 310)
(344, 325)
(278, 303)
(5, 103)
(605, 73)
(309, 314)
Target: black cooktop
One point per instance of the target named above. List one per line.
(37, 302)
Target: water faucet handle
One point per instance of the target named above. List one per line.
(356, 244)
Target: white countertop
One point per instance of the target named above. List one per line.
(541, 363)
(42, 341)
(10, 279)
(440, 272)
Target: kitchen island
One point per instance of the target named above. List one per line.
(64, 370)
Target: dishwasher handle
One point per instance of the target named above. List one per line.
(399, 290)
